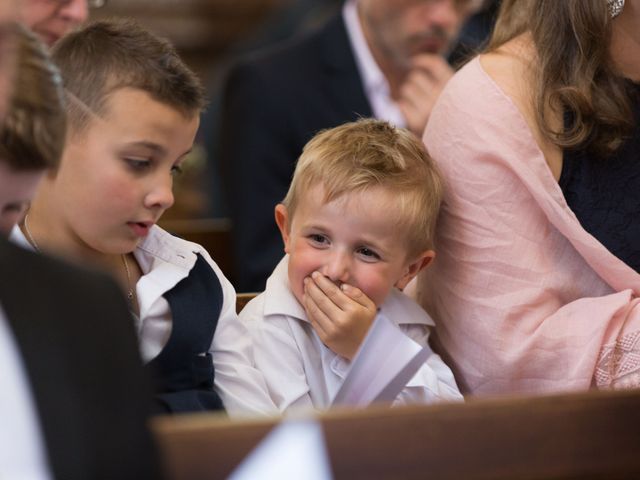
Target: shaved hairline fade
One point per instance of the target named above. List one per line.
(106, 56)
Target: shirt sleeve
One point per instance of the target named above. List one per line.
(239, 383)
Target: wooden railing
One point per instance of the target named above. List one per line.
(575, 436)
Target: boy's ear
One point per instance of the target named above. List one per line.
(420, 262)
(282, 220)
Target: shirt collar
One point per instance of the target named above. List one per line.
(164, 260)
(400, 309)
(18, 238)
(158, 245)
(279, 299)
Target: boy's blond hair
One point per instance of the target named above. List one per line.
(368, 153)
(33, 134)
(108, 55)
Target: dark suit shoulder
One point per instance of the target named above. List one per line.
(302, 55)
(19, 265)
(80, 352)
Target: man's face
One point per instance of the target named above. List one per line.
(51, 19)
(401, 29)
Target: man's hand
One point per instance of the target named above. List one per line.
(428, 75)
(341, 316)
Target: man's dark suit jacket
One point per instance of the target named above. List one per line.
(79, 350)
(274, 103)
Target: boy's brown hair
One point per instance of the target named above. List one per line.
(33, 133)
(105, 56)
(369, 153)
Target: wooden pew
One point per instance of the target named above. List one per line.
(206, 446)
(577, 436)
(243, 298)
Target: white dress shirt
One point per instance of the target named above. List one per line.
(22, 451)
(301, 372)
(165, 260)
(375, 84)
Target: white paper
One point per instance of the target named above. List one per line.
(292, 450)
(384, 364)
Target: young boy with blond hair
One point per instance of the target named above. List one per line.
(358, 224)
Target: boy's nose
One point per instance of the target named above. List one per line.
(337, 267)
(161, 195)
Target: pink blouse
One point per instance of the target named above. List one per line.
(525, 300)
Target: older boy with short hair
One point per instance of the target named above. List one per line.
(357, 224)
(133, 111)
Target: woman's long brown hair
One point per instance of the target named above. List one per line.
(573, 71)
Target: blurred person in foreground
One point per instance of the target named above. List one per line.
(72, 405)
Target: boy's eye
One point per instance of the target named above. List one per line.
(138, 164)
(318, 239)
(368, 255)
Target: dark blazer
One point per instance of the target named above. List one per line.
(80, 352)
(275, 101)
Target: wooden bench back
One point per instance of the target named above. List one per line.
(589, 435)
(243, 298)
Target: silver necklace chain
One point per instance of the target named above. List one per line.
(32, 240)
(126, 267)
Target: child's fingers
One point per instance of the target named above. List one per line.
(320, 299)
(355, 294)
(330, 290)
(319, 320)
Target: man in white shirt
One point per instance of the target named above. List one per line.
(378, 58)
